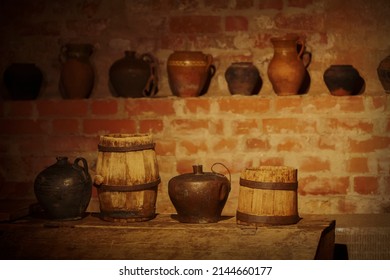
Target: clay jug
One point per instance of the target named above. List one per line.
(134, 76)
(77, 76)
(343, 80)
(383, 71)
(23, 81)
(64, 189)
(199, 197)
(286, 70)
(189, 72)
(243, 78)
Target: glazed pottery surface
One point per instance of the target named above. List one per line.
(243, 78)
(77, 76)
(286, 70)
(343, 80)
(134, 76)
(23, 81)
(384, 73)
(188, 72)
(64, 189)
(199, 197)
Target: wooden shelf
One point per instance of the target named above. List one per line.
(165, 238)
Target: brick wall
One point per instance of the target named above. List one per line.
(341, 146)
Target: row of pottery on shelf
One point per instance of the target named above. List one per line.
(189, 73)
(129, 194)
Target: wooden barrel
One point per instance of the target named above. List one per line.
(127, 177)
(268, 196)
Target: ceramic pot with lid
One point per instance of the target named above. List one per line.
(199, 197)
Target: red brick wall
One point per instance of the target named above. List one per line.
(340, 146)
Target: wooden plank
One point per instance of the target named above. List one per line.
(11, 210)
(160, 238)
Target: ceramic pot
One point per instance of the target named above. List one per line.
(343, 80)
(23, 81)
(77, 76)
(199, 197)
(243, 78)
(189, 72)
(64, 189)
(286, 70)
(134, 76)
(383, 71)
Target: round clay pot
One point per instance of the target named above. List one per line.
(134, 76)
(199, 197)
(243, 78)
(189, 72)
(383, 71)
(64, 189)
(23, 81)
(77, 76)
(343, 80)
(286, 70)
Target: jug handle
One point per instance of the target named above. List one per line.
(150, 88)
(302, 43)
(306, 61)
(224, 189)
(230, 176)
(84, 167)
(62, 56)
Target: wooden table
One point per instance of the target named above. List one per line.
(165, 238)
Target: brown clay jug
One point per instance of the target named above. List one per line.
(286, 70)
(189, 72)
(134, 75)
(199, 197)
(77, 76)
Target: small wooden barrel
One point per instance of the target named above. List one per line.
(127, 177)
(268, 196)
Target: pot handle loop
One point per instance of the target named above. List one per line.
(84, 167)
(302, 43)
(306, 58)
(209, 60)
(150, 88)
(230, 176)
(62, 55)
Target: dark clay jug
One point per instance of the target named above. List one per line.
(343, 80)
(134, 76)
(64, 189)
(383, 71)
(23, 81)
(199, 197)
(243, 78)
